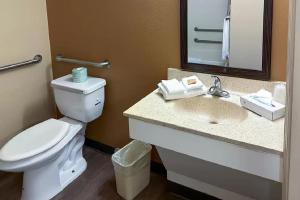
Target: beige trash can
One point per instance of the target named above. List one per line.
(132, 168)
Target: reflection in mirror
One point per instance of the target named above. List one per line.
(246, 34)
(205, 31)
(227, 36)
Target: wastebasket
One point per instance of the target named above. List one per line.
(132, 168)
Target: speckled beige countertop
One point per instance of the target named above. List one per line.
(218, 118)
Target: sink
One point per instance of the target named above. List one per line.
(212, 110)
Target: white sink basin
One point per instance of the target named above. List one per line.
(210, 109)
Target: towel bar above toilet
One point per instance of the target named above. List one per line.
(104, 64)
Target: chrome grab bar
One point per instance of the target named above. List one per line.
(103, 64)
(196, 40)
(36, 59)
(197, 29)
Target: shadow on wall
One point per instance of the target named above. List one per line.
(32, 114)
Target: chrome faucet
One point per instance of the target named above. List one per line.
(216, 89)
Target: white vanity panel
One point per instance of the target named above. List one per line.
(259, 163)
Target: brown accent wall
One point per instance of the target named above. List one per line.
(141, 38)
(280, 39)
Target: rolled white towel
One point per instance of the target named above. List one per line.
(173, 86)
(192, 83)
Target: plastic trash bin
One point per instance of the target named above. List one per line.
(132, 168)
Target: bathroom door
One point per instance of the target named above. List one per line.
(292, 140)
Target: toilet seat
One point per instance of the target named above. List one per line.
(34, 140)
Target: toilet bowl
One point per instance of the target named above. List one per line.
(50, 153)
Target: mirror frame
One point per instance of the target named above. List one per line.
(265, 74)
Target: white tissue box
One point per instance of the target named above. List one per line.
(270, 112)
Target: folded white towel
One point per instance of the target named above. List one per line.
(173, 86)
(186, 94)
(192, 83)
(168, 96)
(226, 38)
(263, 96)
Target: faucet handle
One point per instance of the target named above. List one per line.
(217, 81)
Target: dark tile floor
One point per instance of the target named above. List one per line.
(96, 183)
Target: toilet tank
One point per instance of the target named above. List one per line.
(80, 101)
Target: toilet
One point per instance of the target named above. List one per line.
(50, 153)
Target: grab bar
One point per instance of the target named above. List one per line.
(103, 64)
(196, 29)
(196, 40)
(36, 59)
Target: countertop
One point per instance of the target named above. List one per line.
(252, 131)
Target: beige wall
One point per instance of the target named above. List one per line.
(142, 39)
(24, 92)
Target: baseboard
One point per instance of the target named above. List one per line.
(155, 166)
(99, 146)
(188, 192)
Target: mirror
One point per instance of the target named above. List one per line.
(228, 37)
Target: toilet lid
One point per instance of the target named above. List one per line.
(90, 85)
(34, 140)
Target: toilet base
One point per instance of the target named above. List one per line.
(47, 181)
(69, 176)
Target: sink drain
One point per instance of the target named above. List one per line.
(213, 122)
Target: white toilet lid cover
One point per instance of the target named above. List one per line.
(34, 140)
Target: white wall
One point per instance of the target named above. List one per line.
(25, 96)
